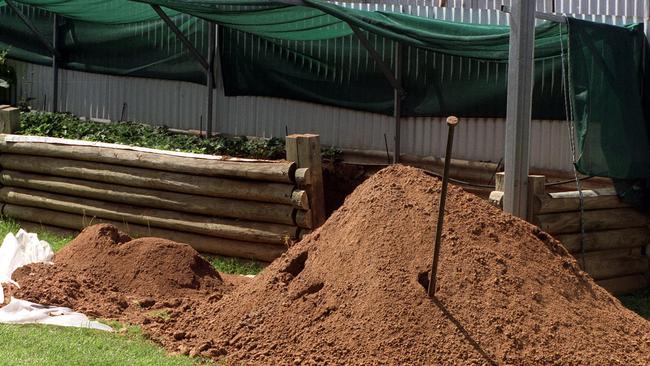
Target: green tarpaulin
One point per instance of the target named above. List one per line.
(311, 53)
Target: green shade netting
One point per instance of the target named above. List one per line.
(310, 53)
(141, 47)
(99, 11)
(607, 77)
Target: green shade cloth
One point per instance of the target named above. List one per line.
(310, 53)
(99, 11)
(607, 92)
(145, 48)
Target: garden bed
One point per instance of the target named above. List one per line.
(68, 126)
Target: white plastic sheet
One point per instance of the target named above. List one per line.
(17, 251)
(22, 249)
(25, 312)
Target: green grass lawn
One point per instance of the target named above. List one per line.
(36, 345)
(32, 345)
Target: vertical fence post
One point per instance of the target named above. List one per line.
(535, 188)
(519, 106)
(496, 196)
(210, 75)
(397, 106)
(9, 119)
(305, 151)
(55, 64)
(646, 18)
(499, 181)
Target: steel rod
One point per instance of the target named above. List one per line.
(197, 55)
(451, 123)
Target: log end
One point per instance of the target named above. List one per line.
(303, 219)
(300, 199)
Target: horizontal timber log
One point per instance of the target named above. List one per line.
(202, 243)
(569, 222)
(224, 228)
(624, 285)
(570, 201)
(35, 227)
(281, 171)
(160, 180)
(606, 239)
(614, 263)
(211, 206)
(303, 219)
(303, 177)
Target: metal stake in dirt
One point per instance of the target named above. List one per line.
(451, 122)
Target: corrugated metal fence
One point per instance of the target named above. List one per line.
(182, 105)
(630, 8)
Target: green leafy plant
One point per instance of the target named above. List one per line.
(7, 73)
(66, 125)
(24, 105)
(332, 153)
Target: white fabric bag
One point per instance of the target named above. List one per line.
(22, 249)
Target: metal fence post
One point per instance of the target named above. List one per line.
(55, 64)
(397, 95)
(210, 75)
(518, 113)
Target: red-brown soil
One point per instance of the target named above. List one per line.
(352, 292)
(106, 274)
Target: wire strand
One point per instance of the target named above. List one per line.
(567, 181)
(458, 181)
(480, 185)
(570, 114)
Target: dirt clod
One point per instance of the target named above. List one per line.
(146, 302)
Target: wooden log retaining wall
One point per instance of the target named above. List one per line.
(228, 206)
(616, 238)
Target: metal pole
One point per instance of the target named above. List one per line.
(451, 122)
(31, 26)
(385, 69)
(210, 75)
(397, 100)
(188, 44)
(646, 18)
(518, 115)
(55, 64)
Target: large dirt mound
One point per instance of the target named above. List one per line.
(352, 292)
(105, 273)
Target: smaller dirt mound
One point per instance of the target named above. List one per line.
(105, 273)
